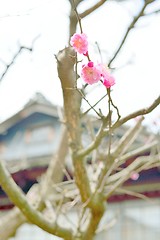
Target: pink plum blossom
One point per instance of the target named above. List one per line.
(107, 78)
(109, 81)
(90, 73)
(80, 43)
(93, 73)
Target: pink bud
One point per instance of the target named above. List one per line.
(90, 64)
(135, 176)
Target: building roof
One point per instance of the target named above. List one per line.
(27, 138)
(38, 103)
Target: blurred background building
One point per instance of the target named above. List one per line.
(30, 138)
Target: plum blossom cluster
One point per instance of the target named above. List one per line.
(91, 73)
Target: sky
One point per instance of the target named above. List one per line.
(136, 68)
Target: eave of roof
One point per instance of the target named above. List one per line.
(31, 107)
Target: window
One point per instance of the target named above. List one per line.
(39, 134)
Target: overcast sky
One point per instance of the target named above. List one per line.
(21, 21)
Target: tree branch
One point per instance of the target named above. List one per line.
(72, 102)
(141, 163)
(118, 178)
(73, 18)
(112, 163)
(92, 9)
(102, 132)
(131, 26)
(8, 66)
(134, 194)
(18, 198)
(141, 112)
(14, 218)
(151, 13)
(126, 140)
(21, 48)
(137, 151)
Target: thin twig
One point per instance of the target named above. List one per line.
(8, 66)
(13, 60)
(100, 54)
(140, 112)
(151, 13)
(77, 15)
(82, 94)
(134, 194)
(131, 26)
(84, 113)
(111, 101)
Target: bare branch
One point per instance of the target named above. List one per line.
(131, 26)
(134, 194)
(21, 48)
(136, 152)
(112, 164)
(74, 13)
(140, 112)
(126, 141)
(93, 145)
(91, 107)
(18, 198)
(152, 13)
(84, 113)
(76, 2)
(11, 221)
(13, 60)
(14, 218)
(120, 177)
(77, 15)
(72, 102)
(141, 163)
(102, 132)
(92, 9)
